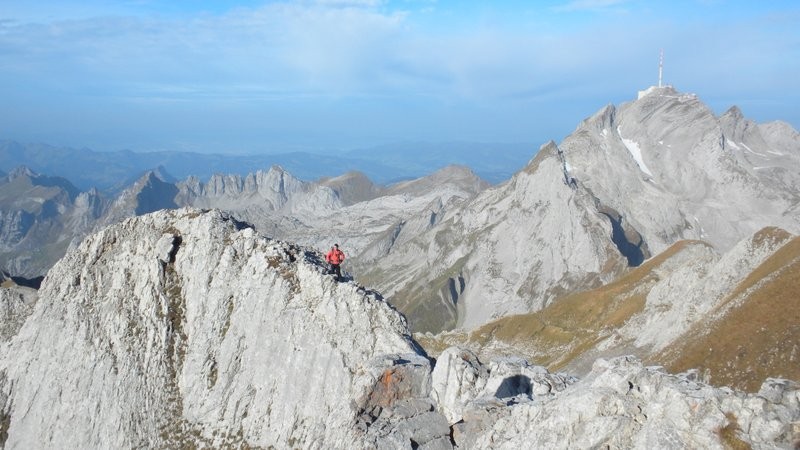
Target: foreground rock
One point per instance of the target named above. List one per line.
(188, 329)
(620, 404)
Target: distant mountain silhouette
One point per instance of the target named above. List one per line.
(112, 171)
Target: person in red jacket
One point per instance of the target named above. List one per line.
(335, 258)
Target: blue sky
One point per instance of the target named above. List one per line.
(322, 75)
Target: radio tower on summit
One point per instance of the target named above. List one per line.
(660, 66)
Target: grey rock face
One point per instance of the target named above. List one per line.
(267, 192)
(460, 379)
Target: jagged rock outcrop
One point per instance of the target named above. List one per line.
(262, 192)
(622, 404)
(460, 379)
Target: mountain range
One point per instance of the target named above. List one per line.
(111, 171)
(187, 328)
(656, 234)
(625, 186)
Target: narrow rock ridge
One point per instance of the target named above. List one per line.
(188, 328)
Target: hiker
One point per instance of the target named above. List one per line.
(335, 258)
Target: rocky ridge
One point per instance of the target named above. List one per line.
(39, 218)
(188, 328)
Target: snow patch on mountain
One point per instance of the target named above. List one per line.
(636, 152)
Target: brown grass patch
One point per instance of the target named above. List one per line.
(770, 235)
(728, 435)
(758, 338)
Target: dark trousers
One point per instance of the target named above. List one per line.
(335, 268)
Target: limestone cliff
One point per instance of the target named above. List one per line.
(188, 328)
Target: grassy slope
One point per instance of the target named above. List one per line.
(756, 333)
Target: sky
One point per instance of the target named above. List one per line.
(252, 77)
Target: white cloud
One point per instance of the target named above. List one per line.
(375, 56)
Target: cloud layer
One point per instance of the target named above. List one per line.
(332, 74)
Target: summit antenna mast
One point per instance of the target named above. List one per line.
(660, 66)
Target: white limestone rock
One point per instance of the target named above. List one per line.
(622, 404)
(186, 328)
(460, 379)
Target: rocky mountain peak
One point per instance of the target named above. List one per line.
(150, 177)
(162, 174)
(737, 128)
(460, 177)
(21, 171)
(547, 150)
(733, 112)
(353, 187)
(32, 179)
(277, 170)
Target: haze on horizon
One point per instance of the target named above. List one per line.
(275, 76)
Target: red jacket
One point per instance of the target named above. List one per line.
(335, 256)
